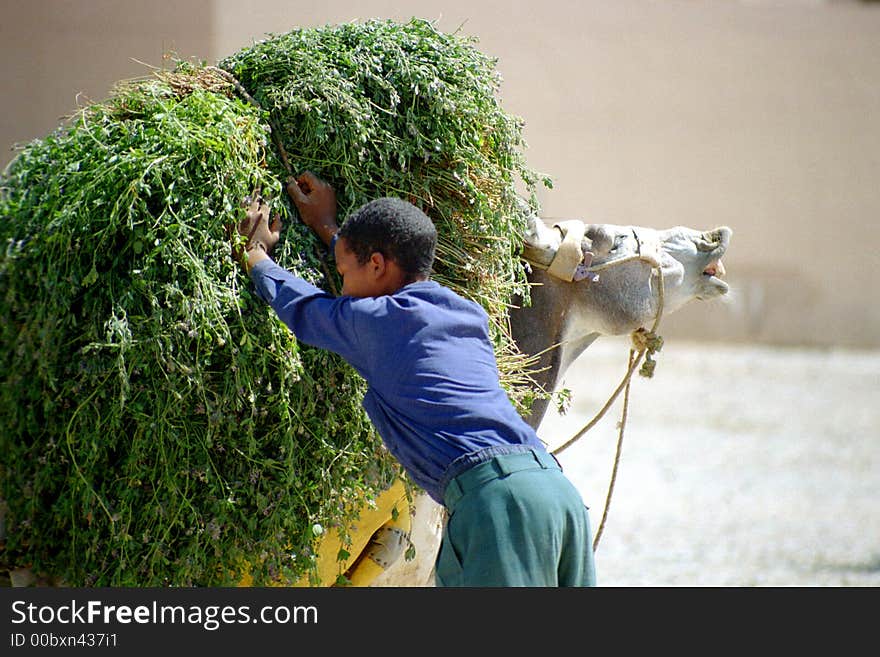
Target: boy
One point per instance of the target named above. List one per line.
(433, 390)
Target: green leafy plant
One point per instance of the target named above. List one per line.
(160, 425)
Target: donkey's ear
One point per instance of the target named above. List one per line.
(601, 240)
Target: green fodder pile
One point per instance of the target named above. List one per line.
(160, 426)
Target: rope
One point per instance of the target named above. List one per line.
(644, 344)
(616, 457)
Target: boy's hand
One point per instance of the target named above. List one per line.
(262, 236)
(316, 202)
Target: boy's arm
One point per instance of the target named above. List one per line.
(314, 316)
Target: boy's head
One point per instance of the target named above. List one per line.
(386, 234)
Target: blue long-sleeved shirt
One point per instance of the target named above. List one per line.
(433, 389)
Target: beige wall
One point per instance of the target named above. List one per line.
(762, 116)
(54, 50)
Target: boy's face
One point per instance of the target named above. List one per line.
(377, 276)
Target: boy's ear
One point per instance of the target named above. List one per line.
(378, 263)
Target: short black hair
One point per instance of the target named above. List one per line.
(395, 228)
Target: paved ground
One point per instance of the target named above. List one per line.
(741, 466)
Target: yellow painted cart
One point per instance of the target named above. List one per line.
(379, 537)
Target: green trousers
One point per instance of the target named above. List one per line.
(515, 520)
